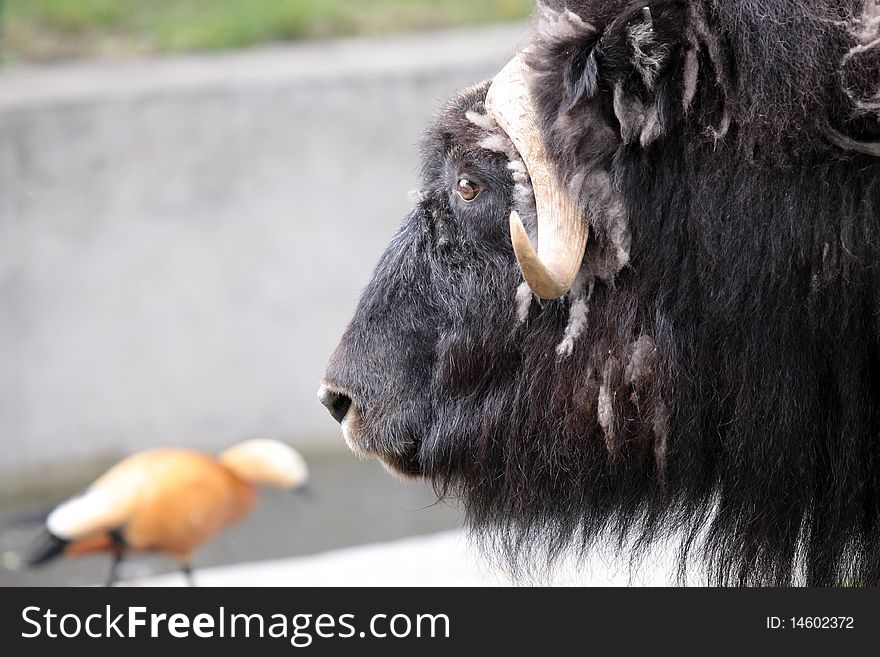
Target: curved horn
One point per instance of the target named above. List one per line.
(562, 232)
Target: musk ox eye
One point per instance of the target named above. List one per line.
(467, 189)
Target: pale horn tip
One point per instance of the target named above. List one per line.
(539, 278)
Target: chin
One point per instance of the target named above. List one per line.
(402, 465)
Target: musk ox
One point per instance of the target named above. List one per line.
(693, 349)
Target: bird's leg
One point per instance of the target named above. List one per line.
(113, 576)
(118, 542)
(186, 569)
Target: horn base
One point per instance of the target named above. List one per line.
(562, 231)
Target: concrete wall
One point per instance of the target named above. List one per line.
(183, 240)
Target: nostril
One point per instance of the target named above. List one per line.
(336, 402)
(339, 407)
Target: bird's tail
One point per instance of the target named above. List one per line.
(46, 547)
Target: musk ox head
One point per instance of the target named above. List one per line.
(692, 348)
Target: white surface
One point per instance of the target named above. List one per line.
(443, 559)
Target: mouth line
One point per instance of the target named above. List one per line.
(403, 465)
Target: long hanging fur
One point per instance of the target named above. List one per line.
(719, 382)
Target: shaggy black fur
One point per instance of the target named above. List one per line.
(724, 385)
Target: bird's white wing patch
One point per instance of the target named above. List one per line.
(94, 511)
(105, 505)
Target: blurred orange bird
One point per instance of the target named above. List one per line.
(167, 500)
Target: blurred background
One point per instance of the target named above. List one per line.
(192, 195)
